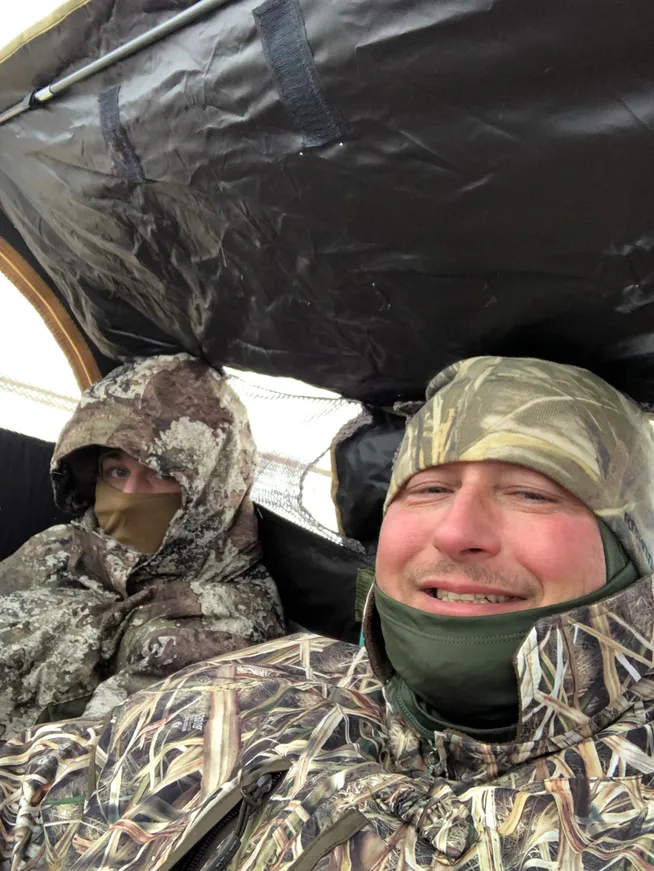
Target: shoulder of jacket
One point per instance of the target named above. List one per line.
(304, 656)
(305, 663)
(47, 551)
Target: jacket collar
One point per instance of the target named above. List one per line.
(577, 673)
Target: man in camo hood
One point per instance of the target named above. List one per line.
(85, 613)
(307, 754)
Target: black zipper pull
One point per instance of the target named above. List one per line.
(255, 794)
(226, 853)
(254, 797)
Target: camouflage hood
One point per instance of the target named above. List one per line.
(559, 420)
(86, 621)
(181, 418)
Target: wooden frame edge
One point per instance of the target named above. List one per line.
(65, 331)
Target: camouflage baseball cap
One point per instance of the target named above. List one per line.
(559, 420)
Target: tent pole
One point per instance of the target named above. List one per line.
(44, 95)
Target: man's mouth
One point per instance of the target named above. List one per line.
(449, 596)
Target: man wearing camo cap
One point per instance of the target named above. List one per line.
(500, 717)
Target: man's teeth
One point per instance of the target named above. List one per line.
(448, 596)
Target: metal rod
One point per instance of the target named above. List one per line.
(43, 95)
(18, 109)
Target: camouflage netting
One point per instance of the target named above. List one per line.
(37, 394)
(293, 435)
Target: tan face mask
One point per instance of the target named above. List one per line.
(137, 520)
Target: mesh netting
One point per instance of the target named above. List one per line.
(38, 394)
(33, 410)
(293, 434)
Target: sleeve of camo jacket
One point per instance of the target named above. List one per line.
(46, 776)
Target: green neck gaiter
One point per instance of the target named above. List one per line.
(458, 672)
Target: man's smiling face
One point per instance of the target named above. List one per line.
(479, 538)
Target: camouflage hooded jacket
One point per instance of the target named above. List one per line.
(289, 757)
(351, 785)
(82, 614)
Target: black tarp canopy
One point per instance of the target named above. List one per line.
(354, 193)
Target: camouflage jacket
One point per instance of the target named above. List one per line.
(288, 757)
(82, 615)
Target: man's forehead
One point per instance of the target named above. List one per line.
(495, 468)
(119, 454)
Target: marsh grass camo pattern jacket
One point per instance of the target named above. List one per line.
(288, 756)
(297, 732)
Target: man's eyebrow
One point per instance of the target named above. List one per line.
(114, 454)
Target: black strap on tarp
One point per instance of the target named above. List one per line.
(286, 49)
(121, 150)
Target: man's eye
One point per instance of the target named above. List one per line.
(429, 490)
(533, 496)
(117, 472)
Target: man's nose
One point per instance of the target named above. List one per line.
(131, 485)
(467, 529)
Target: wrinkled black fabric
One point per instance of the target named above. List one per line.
(362, 465)
(491, 191)
(316, 578)
(26, 501)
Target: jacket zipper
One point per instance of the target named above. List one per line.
(225, 844)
